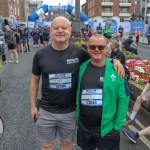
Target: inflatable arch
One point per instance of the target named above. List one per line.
(46, 8)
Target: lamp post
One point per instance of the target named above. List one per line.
(77, 24)
(145, 14)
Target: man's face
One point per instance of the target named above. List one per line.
(97, 53)
(7, 28)
(60, 30)
(112, 46)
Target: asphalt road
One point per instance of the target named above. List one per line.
(144, 51)
(19, 129)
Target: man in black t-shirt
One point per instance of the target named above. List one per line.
(120, 30)
(58, 64)
(99, 29)
(84, 32)
(23, 37)
(127, 45)
(145, 96)
(117, 54)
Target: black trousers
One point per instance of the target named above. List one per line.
(90, 138)
(4, 57)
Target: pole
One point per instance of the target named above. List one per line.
(77, 10)
(145, 14)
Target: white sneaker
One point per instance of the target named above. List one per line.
(34, 45)
(41, 44)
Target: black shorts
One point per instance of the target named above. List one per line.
(90, 138)
(12, 46)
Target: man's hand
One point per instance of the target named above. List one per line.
(118, 67)
(34, 112)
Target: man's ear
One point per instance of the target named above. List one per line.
(88, 49)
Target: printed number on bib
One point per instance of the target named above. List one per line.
(60, 81)
(92, 97)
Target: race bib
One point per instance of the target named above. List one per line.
(92, 97)
(60, 81)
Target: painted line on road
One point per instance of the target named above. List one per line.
(142, 138)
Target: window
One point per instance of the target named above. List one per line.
(124, 1)
(107, 9)
(124, 10)
(107, 0)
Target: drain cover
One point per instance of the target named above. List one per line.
(1, 127)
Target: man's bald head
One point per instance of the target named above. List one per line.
(99, 36)
(61, 18)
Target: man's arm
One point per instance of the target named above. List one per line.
(122, 104)
(34, 86)
(118, 67)
(134, 44)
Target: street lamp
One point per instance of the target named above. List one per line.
(145, 15)
(77, 24)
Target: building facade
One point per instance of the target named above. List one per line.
(102, 10)
(14, 10)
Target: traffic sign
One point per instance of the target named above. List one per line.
(17, 18)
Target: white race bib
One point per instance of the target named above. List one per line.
(60, 81)
(92, 97)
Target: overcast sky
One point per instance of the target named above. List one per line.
(62, 2)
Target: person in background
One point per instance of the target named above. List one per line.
(11, 42)
(134, 136)
(99, 29)
(144, 97)
(120, 30)
(90, 32)
(127, 45)
(23, 38)
(109, 32)
(35, 35)
(148, 35)
(101, 105)
(84, 32)
(117, 54)
(104, 31)
(137, 35)
(41, 35)
(2, 47)
(46, 35)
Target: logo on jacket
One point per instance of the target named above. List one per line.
(113, 77)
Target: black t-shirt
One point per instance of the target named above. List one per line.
(84, 31)
(99, 29)
(118, 55)
(128, 42)
(59, 71)
(22, 32)
(91, 96)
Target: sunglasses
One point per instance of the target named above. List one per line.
(100, 47)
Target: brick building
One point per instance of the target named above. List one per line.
(101, 10)
(11, 9)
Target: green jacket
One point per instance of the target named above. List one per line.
(115, 98)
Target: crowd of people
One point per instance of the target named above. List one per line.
(16, 41)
